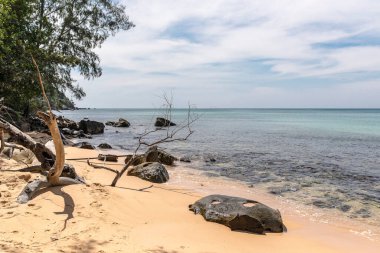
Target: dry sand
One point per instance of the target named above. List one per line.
(99, 218)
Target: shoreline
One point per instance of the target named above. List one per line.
(204, 185)
(184, 176)
(99, 218)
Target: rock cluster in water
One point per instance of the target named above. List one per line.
(121, 123)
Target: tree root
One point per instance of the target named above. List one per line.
(32, 187)
(29, 190)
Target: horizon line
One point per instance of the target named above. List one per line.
(229, 108)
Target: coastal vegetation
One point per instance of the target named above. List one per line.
(62, 36)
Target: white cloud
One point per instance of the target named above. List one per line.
(283, 30)
(283, 34)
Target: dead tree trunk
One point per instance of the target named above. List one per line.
(56, 171)
(54, 176)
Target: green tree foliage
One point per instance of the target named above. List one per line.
(62, 36)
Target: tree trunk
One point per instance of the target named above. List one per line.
(56, 171)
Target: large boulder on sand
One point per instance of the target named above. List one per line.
(162, 122)
(153, 172)
(239, 214)
(139, 159)
(91, 127)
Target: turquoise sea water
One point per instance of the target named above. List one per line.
(326, 158)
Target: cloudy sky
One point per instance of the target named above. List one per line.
(242, 53)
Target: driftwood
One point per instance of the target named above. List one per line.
(43, 154)
(54, 177)
(94, 157)
(101, 167)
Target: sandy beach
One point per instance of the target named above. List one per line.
(99, 218)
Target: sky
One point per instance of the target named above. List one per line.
(242, 54)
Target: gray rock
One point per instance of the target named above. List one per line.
(67, 131)
(91, 127)
(37, 124)
(162, 122)
(84, 145)
(209, 159)
(332, 203)
(154, 154)
(185, 159)
(139, 159)
(280, 190)
(104, 146)
(364, 213)
(122, 123)
(67, 123)
(239, 214)
(210, 174)
(153, 172)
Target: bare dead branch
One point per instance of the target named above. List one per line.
(42, 86)
(171, 134)
(101, 167)
(7, 110)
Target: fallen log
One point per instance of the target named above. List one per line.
(44, 155)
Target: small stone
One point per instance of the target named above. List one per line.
(104, 146)
(185, 159)
(25, 177)
(54, 238)
(84, 145)
(345, 208)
